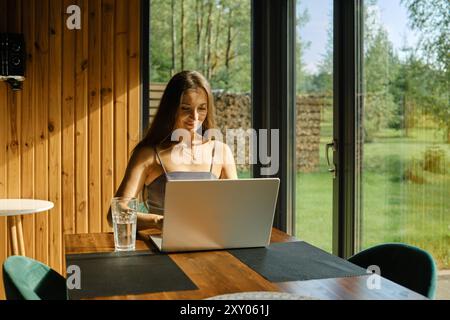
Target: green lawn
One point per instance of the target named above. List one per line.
(393, 212)
(395, 209)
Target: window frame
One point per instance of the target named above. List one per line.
(347, 80)
(273, 94)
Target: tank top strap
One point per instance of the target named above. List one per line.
(159, 159)
(212, 158)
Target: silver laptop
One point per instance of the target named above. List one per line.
(217, 214)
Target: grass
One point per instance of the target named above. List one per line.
(392, 212)
(395, 209)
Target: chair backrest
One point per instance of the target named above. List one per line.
(28, 279)
(406, 265)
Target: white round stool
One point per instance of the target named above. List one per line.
(14, 209)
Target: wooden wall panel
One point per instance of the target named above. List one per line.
(81, 134)
(68, 126)
(94, 110)
(107, 95)
(41, 92)
(3, 159)
(67, 135)
(120, 91)
(28, 116)
(14, 104)
(133, 75)
(55, 136)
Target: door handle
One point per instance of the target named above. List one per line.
(331, 166)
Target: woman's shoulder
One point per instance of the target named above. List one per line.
(143, 155)
(221, 145)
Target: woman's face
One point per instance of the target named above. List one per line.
(192, 110)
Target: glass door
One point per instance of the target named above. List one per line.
(314, 131)
(404, 130)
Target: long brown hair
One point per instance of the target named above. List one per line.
(164, 121)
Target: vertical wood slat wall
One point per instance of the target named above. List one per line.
(67, 136)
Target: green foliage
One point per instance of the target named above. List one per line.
(214, 37)
(210, 36)
(301, 46)
(380, 70)
(392, 166)
(427, 80)
(426, 88)
(432, 19)
(435, 160)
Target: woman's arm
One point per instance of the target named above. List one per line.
(133, 181)
(229, 166)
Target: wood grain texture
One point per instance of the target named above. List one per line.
(219, 272)
(95, 115)
(107, 100)
(3, 167)
(58, 135)
(41, 93)
(156, 92)
(351, 288)
(134, 87)
(14, 111)
(81, 121)
(28, 124)
(55, 136)
(120, 91)
(68, 126)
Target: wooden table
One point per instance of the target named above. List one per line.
(14, 209)
(218, 272)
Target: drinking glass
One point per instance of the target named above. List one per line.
(124, 215)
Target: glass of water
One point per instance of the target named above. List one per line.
(124, 214)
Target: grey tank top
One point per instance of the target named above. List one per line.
(157, 188)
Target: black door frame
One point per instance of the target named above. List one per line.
(273, 94)
(347, 86)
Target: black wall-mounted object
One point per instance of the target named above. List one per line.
(13, 59)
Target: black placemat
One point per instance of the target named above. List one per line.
(122, 273)
(295, 261)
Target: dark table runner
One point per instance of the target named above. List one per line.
(123, 273)
(295, 261)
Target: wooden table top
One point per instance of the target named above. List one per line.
(219, 272)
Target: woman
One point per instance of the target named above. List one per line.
(187, 105)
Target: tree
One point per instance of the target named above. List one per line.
(216, 43)
(174, 37)
(301, 46)
(428, 80)
(380, 71)
(199, 10)
(183, 36)
(426, 88)
(209, 27)
(322, 82)
(161, 60)
(432, 19)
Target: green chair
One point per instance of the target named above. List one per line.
(142, 207)
(28, 279)
(406, 265)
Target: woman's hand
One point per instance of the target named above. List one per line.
(149, 221)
